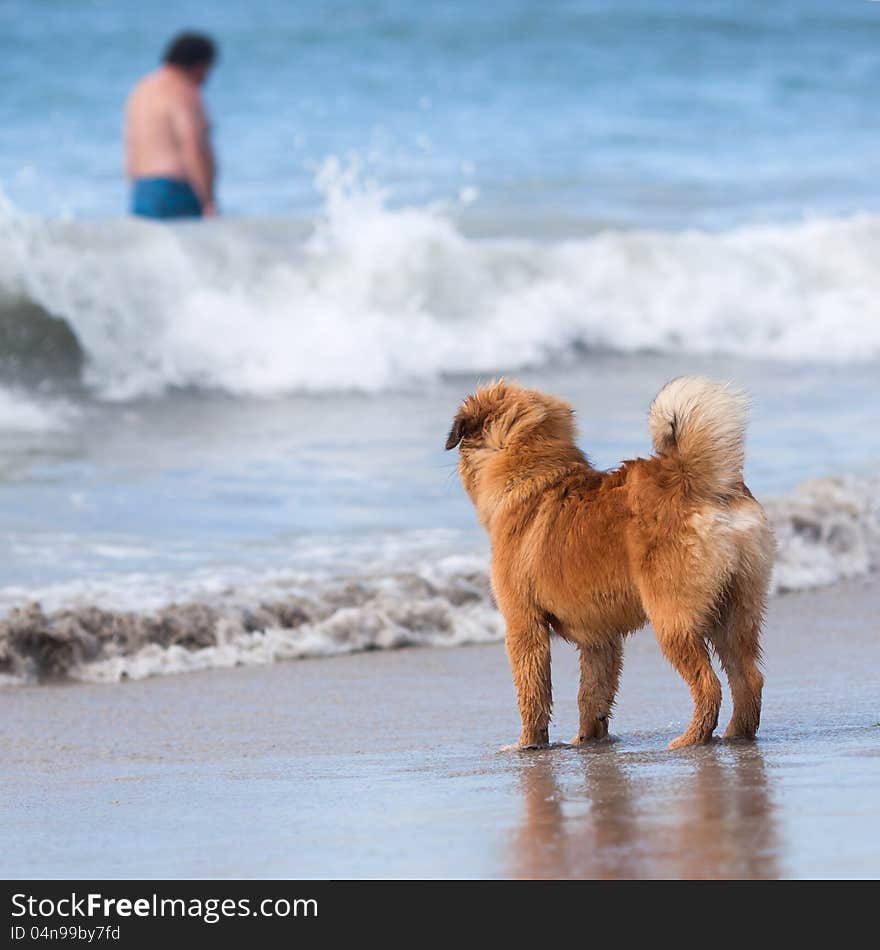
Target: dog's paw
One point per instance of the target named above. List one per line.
(524, 747)
(597, 729)
(578, 741)
(688, 739)
(529, 740)
(682, 742)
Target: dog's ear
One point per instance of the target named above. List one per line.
(463, 425)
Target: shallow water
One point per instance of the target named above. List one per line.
(206, 482)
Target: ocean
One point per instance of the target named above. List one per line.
(222, 443)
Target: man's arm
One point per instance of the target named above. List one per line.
(191, 128)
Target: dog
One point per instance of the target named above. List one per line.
(676, 539)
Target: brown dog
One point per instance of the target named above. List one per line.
(676, 539)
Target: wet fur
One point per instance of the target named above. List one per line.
(675, 539)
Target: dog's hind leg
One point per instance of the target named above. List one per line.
(528, 649)
(600, 675)
(684, 647)
(736, 639)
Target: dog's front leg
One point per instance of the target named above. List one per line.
(528, 648)
(600, 675)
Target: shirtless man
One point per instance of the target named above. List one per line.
(168, 154)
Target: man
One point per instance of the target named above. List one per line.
(169, 159)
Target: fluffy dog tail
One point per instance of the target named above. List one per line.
(701, 425)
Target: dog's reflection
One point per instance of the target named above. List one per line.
(607, 813)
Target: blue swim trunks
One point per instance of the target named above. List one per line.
(164, 198)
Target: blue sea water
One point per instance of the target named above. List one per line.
(593, 196)
(664, 113)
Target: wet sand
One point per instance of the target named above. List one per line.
(387, 765)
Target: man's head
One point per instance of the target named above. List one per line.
(194, 53)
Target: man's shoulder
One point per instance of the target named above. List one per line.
(150, 80)
(159, 90)
(147, 87)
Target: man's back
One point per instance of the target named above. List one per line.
(152, 146)
(168, 154)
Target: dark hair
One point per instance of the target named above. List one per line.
(191, 49)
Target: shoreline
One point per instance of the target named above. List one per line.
(827, 533)
(386, 764)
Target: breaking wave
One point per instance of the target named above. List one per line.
(369, 297)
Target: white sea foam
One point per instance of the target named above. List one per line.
(22, 412)
(348, 630)
(444, 603)
(369, 297)
(827, 530)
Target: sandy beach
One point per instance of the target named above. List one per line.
(387, 765)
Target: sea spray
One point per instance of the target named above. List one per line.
(370, 297)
